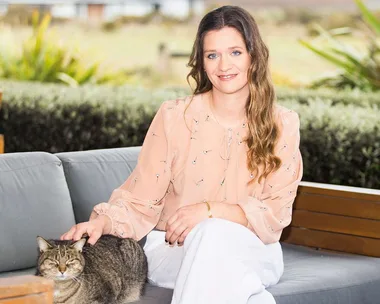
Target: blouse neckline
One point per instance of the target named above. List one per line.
(210, 113)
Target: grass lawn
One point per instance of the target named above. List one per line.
(133, 45)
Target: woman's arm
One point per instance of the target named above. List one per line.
(233, 213)
(134, 208)
(270, 212)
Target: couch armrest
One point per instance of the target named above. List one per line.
(338, 218)
(26, 289)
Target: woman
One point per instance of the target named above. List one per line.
(218, 173)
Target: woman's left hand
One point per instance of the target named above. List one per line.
(180, 224)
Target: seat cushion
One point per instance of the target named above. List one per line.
(152, 294)
(93, 175)
(310, 277)
(21, 272)
(314, 277)
(34, 200)
(321, 277)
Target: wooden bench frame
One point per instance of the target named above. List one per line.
(325, 216)
(338, 218)
(26, 289)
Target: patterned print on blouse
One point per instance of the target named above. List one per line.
(178, 166)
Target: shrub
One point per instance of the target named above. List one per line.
(356, 70)
(340, 142)
(56, 118)
(346, 97)
(43, 59)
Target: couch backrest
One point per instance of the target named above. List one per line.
(93, 175)
(34, 200)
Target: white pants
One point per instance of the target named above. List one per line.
(220, 262)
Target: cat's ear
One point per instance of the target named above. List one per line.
(43, 244)
(78, 245)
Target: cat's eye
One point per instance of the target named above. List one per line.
(71, 262)
(50, 263)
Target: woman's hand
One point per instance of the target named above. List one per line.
(94, 228)
(181, 223)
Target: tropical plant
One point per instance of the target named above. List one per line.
(43, 59)
(357, 69)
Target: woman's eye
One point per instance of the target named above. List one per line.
(236, 53)
(211, 56)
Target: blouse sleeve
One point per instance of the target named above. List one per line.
(269, 213)
(135, 207)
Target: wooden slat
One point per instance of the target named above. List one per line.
(332, 241)
(333, 217)
(24, 285)
(42, 298)
(340, 191)
(1, 144)
(336, 223)
(354, 207)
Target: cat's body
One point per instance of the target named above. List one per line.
(113, 271)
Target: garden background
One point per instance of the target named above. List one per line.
(94, 80)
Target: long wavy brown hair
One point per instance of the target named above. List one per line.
(263, 130)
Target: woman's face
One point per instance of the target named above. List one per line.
(226, 60)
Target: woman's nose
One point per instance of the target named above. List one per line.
(224, 63)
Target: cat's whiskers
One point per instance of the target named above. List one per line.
(76, 280)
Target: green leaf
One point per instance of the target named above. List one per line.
(368, 16)
(67, 79)
(326, 55)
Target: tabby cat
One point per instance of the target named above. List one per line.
(113, 271)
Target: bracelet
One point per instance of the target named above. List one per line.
(208, 210)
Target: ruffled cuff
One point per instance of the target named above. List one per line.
(252, 205)
(118, 214)
(255, 211)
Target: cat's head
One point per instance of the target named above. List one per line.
(60, 260)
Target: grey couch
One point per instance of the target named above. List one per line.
(45, 194)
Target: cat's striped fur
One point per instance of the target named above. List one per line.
(113, 271)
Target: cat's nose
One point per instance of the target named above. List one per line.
(62, 269)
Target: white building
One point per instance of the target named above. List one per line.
(109, 9)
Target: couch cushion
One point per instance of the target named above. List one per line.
(152, 294)
(310, 276)
(34, 200)
(93, 175)
(22, 272)
(315, 277)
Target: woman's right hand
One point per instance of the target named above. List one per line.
(94, 228)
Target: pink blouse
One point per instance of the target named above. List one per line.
(180, 165)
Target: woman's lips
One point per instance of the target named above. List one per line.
(227, 77)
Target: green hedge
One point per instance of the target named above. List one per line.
(340, 142)
(56, 118)
(304, 96)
